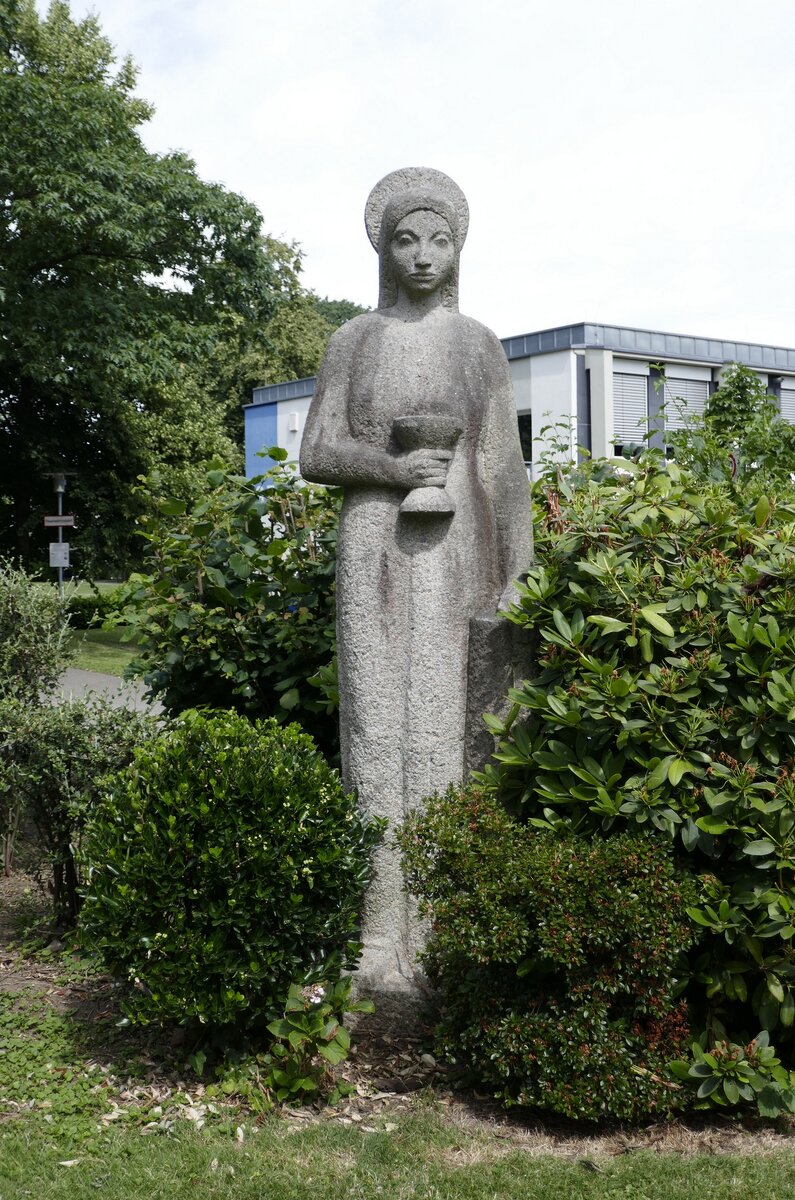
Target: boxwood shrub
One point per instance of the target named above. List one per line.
(92, 608)
(558, 959)
(225, 864)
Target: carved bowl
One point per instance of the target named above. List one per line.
(427, 431)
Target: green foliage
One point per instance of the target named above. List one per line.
(34, 636)
(310, 1037)
(53, 759)
(237, 606)
(337, 312)
(729, 1074)
(224, 865)
(557, 957)
(663, 614)
(38, 1071)
(94, 607)
(128, 287)
(741, 442)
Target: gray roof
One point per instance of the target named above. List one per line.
(650, 343)
(644, 343)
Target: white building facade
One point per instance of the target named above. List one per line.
(604, 384)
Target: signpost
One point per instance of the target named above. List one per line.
(59, 551)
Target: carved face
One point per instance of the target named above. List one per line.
(422, 253)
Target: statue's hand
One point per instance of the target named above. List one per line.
(423, 468)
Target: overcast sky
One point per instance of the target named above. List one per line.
(625, 162)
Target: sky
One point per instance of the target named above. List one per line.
(625, 162)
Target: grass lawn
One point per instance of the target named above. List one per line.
(91, 1109)
(87, 1109)
(101, 650)
(419, 1157)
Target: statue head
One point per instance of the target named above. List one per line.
(415, 190)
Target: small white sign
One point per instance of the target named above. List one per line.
(67, 521)
(59, 554)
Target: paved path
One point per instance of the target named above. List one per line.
(119, 693)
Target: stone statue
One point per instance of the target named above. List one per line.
(414, 417)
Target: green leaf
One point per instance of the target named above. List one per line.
(290, 698)
(762, 510)
(676, 770)
(770, 1101)
(608, 624)
(333, 1052)
(171, 507)
(759, 848)
(679, 1069)
(736, 627)
(659, 773)
(775, 987)
(651, 614)
(713, 825)
(240, 565)
(699, 917)
(361, 1006)
(562, 625)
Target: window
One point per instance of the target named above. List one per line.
(684, 398)
(526, 435)
(788, 400)
(630, 409)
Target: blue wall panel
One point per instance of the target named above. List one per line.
(260, 434)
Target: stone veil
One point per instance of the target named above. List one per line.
(414, 417)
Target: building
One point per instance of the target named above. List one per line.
(604, 383)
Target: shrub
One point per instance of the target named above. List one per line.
(226, 864)
(93, 608)
(236, 608)
(557, 958)
(664, 618)
(52, 764)
(34, 645)
(741, 440)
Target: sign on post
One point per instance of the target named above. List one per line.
(67, 520)
(59, 554)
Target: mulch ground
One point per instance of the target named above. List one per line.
(390, 1075)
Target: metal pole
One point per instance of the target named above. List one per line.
(59, 483)
(60, 540)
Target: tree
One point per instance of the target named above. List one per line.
(741, 440)
(291, 345)
(337, 312)
(124, 280)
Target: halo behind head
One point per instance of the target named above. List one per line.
(419, 180)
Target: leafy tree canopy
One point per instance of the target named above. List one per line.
(741, 441)
(129, 290)
(337, 312)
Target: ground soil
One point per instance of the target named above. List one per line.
(391, 1075)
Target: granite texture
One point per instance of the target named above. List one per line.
(421, 651)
